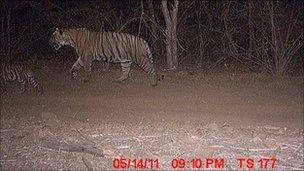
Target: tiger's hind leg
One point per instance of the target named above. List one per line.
(36, 85)
(2, 84)
(147, 66)
(106, 66)
(22, 86)
(125, 66)
(2, 90)
(39, 88)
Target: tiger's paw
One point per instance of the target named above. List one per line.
(155, 79)
(74, 75)
(40, 90)
(86, 78)
(153, 82)
(21, 91)
(122, 78)
(2, 90)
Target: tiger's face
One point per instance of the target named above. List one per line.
(59, 39)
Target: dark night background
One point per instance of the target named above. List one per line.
(200, 29)
(232, 87)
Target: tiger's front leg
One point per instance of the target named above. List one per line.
(86, 76)
(87, 70)
(76, 67)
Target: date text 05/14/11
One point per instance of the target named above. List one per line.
(195, 163)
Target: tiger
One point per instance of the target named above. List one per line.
(112, 47)
(13, 72)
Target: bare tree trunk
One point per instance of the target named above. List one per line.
(6, 40)
(2, 41)
(233, 52)
(170, 16)
(201, 40)
(31, 34)
(141, 16)
(251, 31)
(274, 40)
(153, 26)
(152, 18)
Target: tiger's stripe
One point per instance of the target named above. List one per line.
(109, 46)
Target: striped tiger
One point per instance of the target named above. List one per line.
(21, 74)
(109, 46)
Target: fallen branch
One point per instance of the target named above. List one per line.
(78, 148)
(251, 149)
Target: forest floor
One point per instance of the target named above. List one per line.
(190, 120)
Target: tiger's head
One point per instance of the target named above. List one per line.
(60, 38)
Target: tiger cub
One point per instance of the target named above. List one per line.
(21, 74)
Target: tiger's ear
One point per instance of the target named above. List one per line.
(58, 30)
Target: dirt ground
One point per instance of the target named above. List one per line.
(188, 116)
